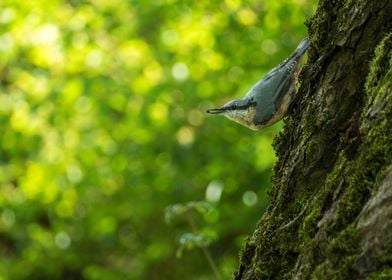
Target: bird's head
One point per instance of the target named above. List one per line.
(239, 110)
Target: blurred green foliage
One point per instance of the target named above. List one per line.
(103, 128)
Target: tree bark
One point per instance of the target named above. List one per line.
(330, 213)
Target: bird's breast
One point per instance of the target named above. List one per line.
(244, 117)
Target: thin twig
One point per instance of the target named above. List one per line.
(205, 250)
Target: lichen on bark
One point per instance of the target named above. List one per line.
(335, 156)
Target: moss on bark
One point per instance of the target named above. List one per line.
(334, 154)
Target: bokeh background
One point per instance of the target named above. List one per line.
(109, 166)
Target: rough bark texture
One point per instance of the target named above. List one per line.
(330, 214)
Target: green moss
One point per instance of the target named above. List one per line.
(321, 27)
(336, 267)
(380, 65)
(345, 243)
(383, 274)
(247, 253)
(363, 173)
(309, 224)
(386, 257)
(324, 237)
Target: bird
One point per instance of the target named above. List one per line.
(268, 100)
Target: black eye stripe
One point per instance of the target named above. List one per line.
(234, 107)
(250, 104)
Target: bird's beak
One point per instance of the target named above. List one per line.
(216, 111)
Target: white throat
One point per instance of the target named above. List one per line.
(244, 117)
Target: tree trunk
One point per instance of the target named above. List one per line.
(330, 213)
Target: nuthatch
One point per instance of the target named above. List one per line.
(268, 100)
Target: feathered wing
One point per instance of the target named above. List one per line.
(273, 87)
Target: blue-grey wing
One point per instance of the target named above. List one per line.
(272, 88)
(268, 92)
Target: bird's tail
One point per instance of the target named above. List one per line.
(299, 51)
(302, 47)
(296, 55)
(294, 58)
